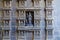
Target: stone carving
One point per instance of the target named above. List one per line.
(29, 19)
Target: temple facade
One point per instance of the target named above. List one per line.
(26, 20)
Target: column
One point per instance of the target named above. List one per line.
(13, 21)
